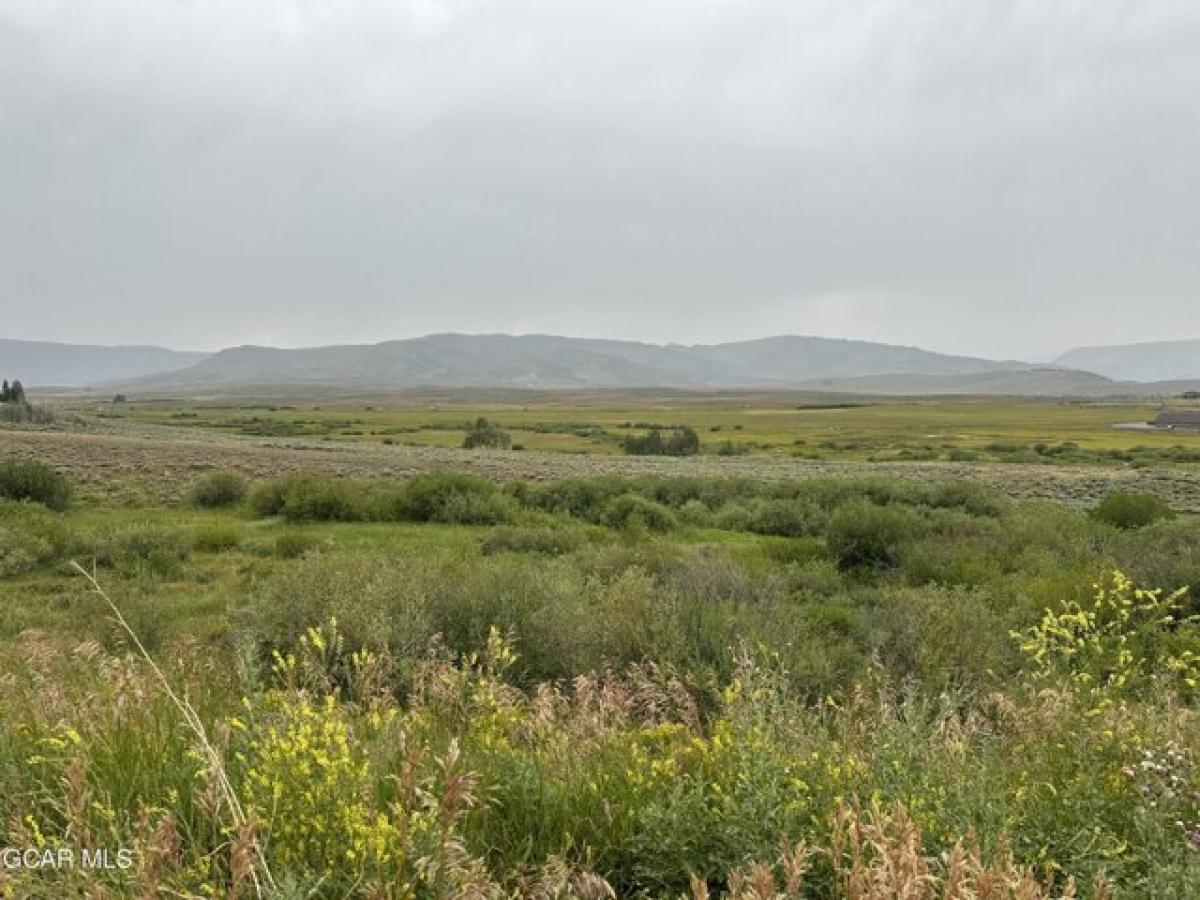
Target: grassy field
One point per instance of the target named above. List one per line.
(430, 672)
(780, 424)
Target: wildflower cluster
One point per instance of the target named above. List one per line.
(1168, 779)
(1126, 640)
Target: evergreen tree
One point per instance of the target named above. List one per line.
(16, 393)
(4, 392)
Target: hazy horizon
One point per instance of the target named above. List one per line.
(212, 350)
(1000, 180)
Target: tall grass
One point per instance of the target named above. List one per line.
(326, 771)
(919, 694)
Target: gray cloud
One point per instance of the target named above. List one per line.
(1006, 178)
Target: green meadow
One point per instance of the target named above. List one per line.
(266, 670)
(781, 424)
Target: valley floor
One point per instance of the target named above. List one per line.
(163, 459)
(426, 673)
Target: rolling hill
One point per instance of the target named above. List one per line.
(543, 361)
(1157, 361)
(45, 364)
(549, 362)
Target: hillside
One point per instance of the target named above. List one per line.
(45, 364)
(542, 361)
(1158, 361)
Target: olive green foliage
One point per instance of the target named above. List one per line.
(1125, 510)
(486, 434)
(865, 536)
(218, 489)
(682, 440)
(634, 511)
(443, 687)
(28, 479)
(457, 499)
(1126, 639)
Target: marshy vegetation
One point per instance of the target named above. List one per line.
(443, 686)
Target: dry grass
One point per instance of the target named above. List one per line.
(158, 466)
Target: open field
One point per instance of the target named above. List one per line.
(156, 464)
(776, 424)
(599, 675)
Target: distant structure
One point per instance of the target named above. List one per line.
(1178, 418)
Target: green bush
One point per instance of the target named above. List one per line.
(695, 513)
(578, 497)
(267, 498)
(485, 434)
(448, 499)
(218, 489)
(452, 499)
(682, 441)
(786, 518)
(1166, 554)
(1128, 511)
(862, 535)
(28, 479)
(628, 509)
(309, 498)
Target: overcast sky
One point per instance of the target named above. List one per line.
(999, 178)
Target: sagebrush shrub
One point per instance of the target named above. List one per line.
(36, 481)
(628, 510)
(1129, 511)
(486, 434)
(862, 535)
(786, 518)
(218, 489)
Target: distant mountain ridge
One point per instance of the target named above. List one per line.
(546, 361)
(1154, 361)
(550, 362)
(49, 364)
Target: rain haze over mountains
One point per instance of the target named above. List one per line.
(989, 180)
